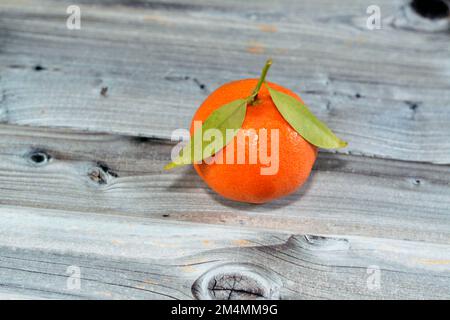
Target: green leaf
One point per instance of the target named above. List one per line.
(229, 116)
(305, 122)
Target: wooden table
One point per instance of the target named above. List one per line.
(86, 119)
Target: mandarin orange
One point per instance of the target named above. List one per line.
(244, 182)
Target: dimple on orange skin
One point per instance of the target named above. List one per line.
(244, 182)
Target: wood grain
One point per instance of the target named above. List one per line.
(385, 91)
(131, 258)
(86, 120)
(101, 173)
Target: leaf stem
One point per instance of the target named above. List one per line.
(262, 78)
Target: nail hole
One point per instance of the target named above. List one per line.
(38, 157)
(412, 105)
(199, 84)
(38, 67)
(431, 9)
(104, 91)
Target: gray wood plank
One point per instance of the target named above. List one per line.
(385, 91)
(134, 258)
(120, 175)
(101, 202)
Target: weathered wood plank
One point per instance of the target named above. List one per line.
(385, 91)
(101, 173)
(101, 202)
(123, 257)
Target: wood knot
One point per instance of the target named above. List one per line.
(319, 243)
(423, 15)
(237, 282)
(104, 91)
(38, 157)
(101, 174)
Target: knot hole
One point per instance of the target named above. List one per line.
(431, 9)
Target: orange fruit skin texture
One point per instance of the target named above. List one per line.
(244, 182)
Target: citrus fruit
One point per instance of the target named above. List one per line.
(262, 139)
(244, 181)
